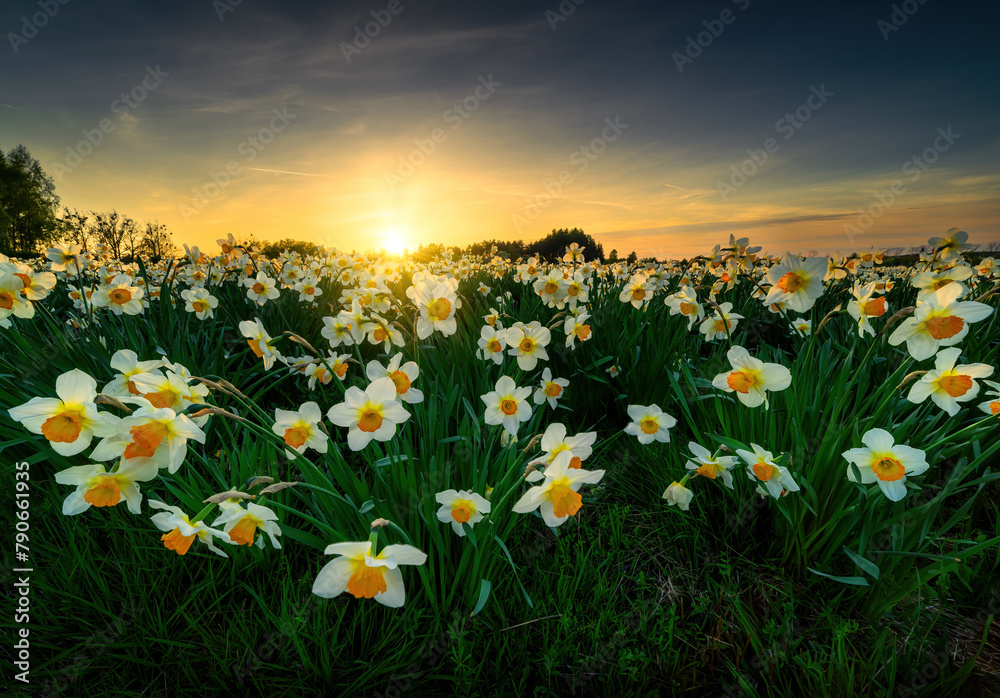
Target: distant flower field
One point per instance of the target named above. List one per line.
(400, 420)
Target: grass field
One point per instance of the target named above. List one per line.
(672, 557)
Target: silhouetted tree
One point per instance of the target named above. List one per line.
(426, 253)
(117, 232)
(553, 246)
(303, 247)
(74, 228)
(28, 204)
(512, 248)
(157, 242)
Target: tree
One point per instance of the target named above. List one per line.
(75, 228)
(553, 246)
(632, 257)
(157, 242)
(511, 248)
(118, 233)
(28, 204)
(613, 257)
(425, 254)
(303, 247)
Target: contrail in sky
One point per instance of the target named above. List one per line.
(304, 174)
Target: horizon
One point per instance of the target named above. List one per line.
(403, 124)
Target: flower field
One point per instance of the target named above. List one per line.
(733, 475)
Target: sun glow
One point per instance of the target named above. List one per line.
(394, 243)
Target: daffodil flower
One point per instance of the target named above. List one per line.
(242, 524)
(402, 377)
(649, 424)
(181, 531)
(491, 344)
(712, 467)
(70, 421)
(161, 390)
(95, 487)
(200, 302)
(437, 306)
(260, 342)
(685, 302)
(751, 378)
(527, 343)
(551, 389)
(555, 441)
(551, 288)
(317, 370)
(68, 258)
(127, 363)
(365, 577)
(372, 413)
(120, 296)
(678, 495)
(952, 244)
(796, 281)
(865, 306)
(462, 507)
(947, 384)
(992, 407)
(801, 326)
(11, 301)
(941, 320)
(261, 289)
(337, 330)
(300, 429)
(558, 496)
(762, 468)
(507, 404)
(159, 434)
(886, 463)
(577, 290)
(576, 328)
(720, 323)
(638, 291)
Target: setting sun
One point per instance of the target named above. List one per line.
(394, 243)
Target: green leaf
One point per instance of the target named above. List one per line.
(853, 581)
(470, 535)
(484, 595)
(382, 462)
(516, 576)
(866, 566)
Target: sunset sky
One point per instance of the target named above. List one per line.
(323, 138)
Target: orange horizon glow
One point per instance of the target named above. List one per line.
(453, 205)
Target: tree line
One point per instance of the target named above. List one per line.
(550, 248)
(30, 217)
